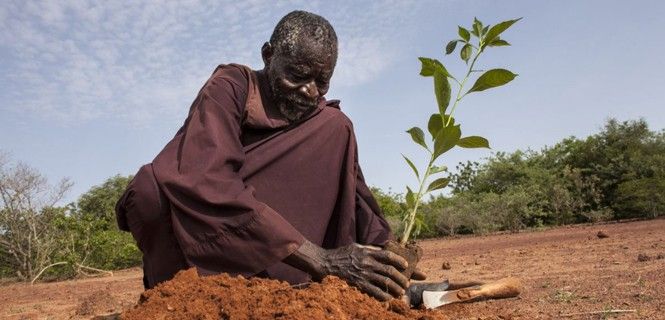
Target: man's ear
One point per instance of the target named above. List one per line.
(267, 53)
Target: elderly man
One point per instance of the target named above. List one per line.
(263, 179)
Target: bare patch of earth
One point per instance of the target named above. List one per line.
(564, 271)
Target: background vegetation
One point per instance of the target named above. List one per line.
(618, 173)
(73, 240)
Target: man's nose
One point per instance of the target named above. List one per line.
(310, 90)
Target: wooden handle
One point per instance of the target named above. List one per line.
(504, 288)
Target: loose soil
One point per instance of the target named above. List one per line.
(189, 296)
(564, 271)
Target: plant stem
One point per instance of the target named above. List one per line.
(461, 86)
(411, 218)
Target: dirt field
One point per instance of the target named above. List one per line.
(565, 271)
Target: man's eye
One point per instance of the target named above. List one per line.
(298, 76)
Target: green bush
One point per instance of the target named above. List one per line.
(641, 197)
(431, 212)
(88, 235)
(107, 247)
(114, 250)
(392, 204)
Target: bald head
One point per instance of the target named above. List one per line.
(298, 27)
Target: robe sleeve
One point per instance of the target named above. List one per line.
(372, 227)
(219, 224)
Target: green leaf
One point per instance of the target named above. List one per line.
(477, 27)
(410, 198)
(434, 124)
(463, 33)
(450, 47)
(485, 30)
(435, 169)
(438, 184)
(446, 140)
(418, 136)
(412, 166)
(430, 66)
(441, 91)
(492, 78)
(473, 142)
(465, 53)
(433, 67)
(496, 30)
(498, 43)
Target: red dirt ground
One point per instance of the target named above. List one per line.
(189, 296)
(564, 271)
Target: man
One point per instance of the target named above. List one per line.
(263, 178)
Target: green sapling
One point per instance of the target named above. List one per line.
(445, 133)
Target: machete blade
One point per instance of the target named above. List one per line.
(433, 299)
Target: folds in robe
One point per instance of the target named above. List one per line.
(245, 188)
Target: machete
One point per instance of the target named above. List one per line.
(504, 288)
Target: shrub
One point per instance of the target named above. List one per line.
(642, 197)
(87, 235)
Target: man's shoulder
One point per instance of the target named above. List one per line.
(232, 72)
(334, 113)
(228, 79)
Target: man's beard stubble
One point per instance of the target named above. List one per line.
(292, 106)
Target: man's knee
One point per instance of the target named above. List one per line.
(143, 208)
(144, 211)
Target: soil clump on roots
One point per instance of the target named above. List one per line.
(188, 296)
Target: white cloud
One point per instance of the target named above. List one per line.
(141, 61)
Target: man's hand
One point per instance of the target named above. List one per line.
(374, 271)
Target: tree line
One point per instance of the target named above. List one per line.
(618, 173)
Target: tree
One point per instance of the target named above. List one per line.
(27, 208)
(642, 197)
(100, 200)
(99, 241)
(621, 152)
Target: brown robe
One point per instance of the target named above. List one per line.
(238, 189)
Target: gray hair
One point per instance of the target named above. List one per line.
(298, 25)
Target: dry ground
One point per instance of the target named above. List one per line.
(564, 271)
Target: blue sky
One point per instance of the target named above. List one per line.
(93, 89)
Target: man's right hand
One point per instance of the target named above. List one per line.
(371, 269)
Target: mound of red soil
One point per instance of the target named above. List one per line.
(189, 296)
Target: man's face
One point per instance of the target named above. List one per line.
(299, 79)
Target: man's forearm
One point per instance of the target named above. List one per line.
(308, 258)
